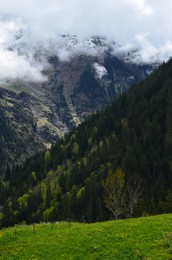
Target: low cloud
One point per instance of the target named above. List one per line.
(13, 66)
(29, 30)
(149, 53)
(99, 70)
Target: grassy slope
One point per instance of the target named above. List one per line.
(142, 238)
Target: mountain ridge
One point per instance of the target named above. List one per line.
(133, 133)
(73, 91)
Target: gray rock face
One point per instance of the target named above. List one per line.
(34, 115)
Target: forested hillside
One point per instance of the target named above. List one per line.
(133, 135)
(38, 114)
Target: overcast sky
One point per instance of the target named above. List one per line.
(122, 20)
(146, 24)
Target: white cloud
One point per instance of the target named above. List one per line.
(147, 52)
(113, 18)
(142, 7)
(14, 66)
(100, 70)
(9, 29)
(140, 23)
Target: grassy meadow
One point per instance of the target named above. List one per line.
(141, 238)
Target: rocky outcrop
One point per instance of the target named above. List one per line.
(34, 115)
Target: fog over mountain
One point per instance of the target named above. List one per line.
(30, 29)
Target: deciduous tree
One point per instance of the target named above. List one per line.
(134, 189)
(114, 192)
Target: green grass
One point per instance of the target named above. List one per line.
(141, 238)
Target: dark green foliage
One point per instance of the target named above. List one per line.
(72, 91)
(134, 133)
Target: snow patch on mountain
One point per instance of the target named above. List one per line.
(24, 56)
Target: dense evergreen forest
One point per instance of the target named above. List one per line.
(133, 134)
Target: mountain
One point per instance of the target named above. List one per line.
(133, 135)
(34, 114)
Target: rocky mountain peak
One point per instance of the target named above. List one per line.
(38, 113)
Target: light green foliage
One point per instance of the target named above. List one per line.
(94, 149)
(59, 169)
(101, 144)
(73, 138)
(44, 192)
(33, 176)
(84, 159)
(133, 239)
(47, 157)
(23, 200)
(52, 186)
(114, 192)
(68, 163)
(81, 192)
(63, 148)
(75, 148)
(47, 214)
(10, 206)
(1, 217)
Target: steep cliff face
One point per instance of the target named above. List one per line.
(34, 115)
(87, 83)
